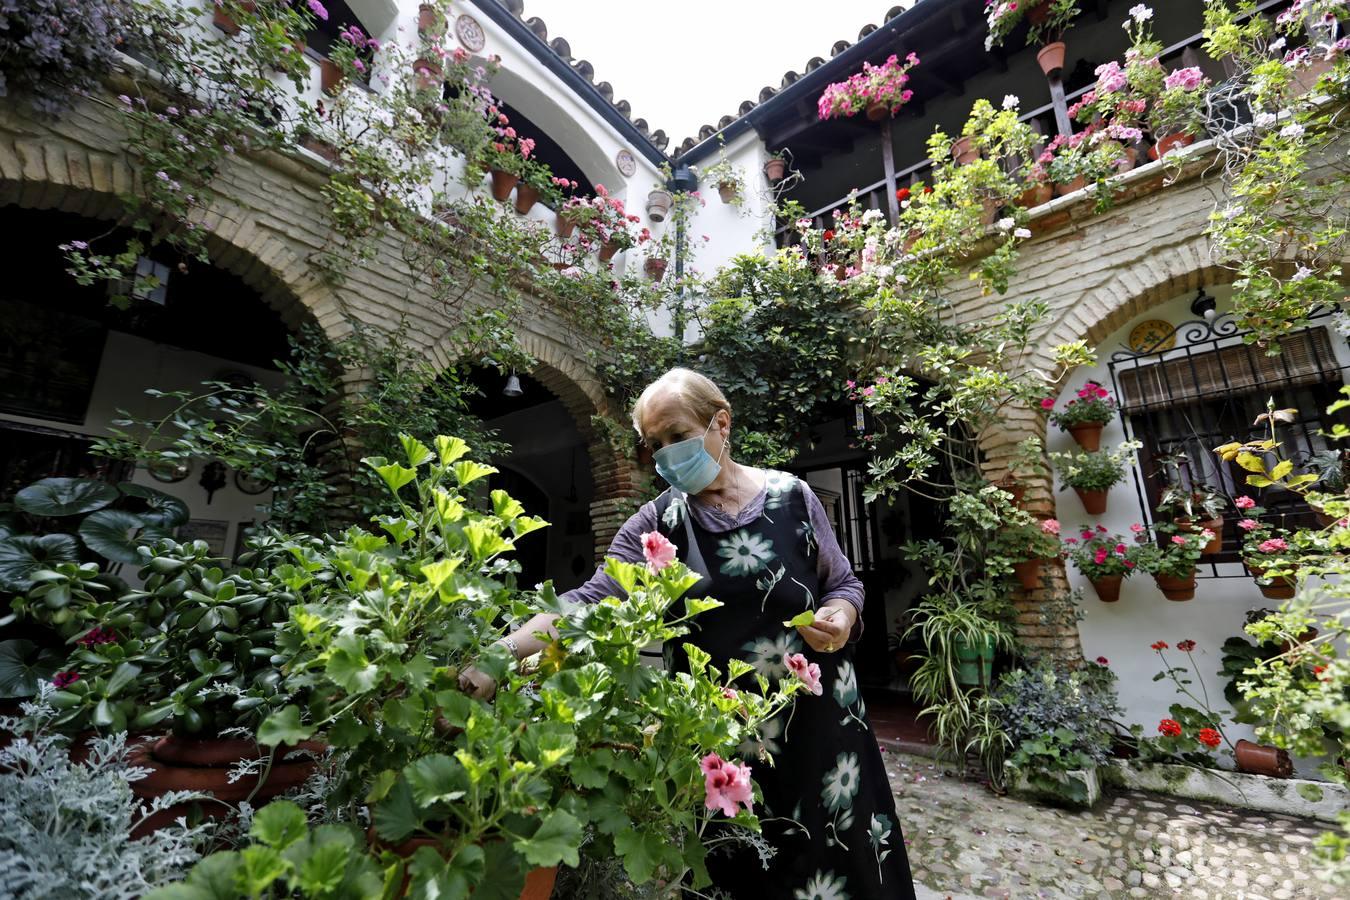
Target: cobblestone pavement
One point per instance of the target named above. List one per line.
(966, 842)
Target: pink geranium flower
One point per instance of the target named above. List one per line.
(659, 551)
(1178, 540)
(1048, 403)
(807, 673)
(1274, 545)
(1244, 502)
(1137, 528)
(1050, 526)
(1248, 524)
(726, 785)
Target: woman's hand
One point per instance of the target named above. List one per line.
(476, 683)
(833, 625)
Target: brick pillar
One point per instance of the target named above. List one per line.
(617, 490)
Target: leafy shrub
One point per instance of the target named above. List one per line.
(54, 50)
(1058, 720)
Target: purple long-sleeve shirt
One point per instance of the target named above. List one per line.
(832, 567)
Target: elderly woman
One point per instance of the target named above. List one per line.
(768, 552)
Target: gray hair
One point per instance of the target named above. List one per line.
(696, 392)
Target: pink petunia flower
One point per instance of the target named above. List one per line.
(807, 673)
(658, 550)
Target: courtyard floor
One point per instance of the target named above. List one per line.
(965, 842)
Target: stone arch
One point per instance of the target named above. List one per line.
(59, 175)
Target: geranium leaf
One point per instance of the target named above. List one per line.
(555, 842)
(283, 727)
(279, 824)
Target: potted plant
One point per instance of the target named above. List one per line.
(431, 21)
(1266, 549)
(1028, 544)
(537, 183)
(1026, 462)
(877, 91)
(227, 13)
(655, 267)
(775, 167)
(1330, 468)
(1172, 564)
(1191, 507)
(1179, 112)
(1105, 559)
(1049, 20)
(1092, 475)
(1086, 415)
(658, 204)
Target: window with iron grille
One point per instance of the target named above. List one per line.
(1207, 391)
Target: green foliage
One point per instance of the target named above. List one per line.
(1059, 720)
(1095, 470)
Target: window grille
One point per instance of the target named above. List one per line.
(1208, 391)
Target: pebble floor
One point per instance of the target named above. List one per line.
(964, 841)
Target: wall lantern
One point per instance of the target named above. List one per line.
(1204, 305)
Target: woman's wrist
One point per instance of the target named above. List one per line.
(510, 643)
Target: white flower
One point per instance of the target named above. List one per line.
(872, 215)
(745, 553)
(1011, 101)
(1023, 233)
(840, 784)
(1265, 119)
(1140, 13)
(1277, 45)
(1292, 131)
(1004, 224)
(1302, 274)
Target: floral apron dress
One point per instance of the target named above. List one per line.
(828, 812)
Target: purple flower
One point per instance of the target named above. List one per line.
(65, 679)
(79, 245)
(318, 9)
(1187, 79)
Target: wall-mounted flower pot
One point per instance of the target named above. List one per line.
(841, 272)
(1215, 544)
(1088, 435)
(974, 662)
(1168, 143)
(1305, 637)
(1175, 588)
(1281, 588)
(430, 23)
(527, 195)
(658, 205)
(1036, 195)
(226, 23)
(1069, 187)
(320, 148)
(1038, 12)
(1108, 587)
(1028, 573)
(655, 267)
(1326, 521)
(565, 226)
(1262, 759)
(1051, 58)
(988, 211)
(877, 112)
(502, 183)
(330, 76)
(728, 191)
(1013, 487)
(607, 251)
(1094, 502)
(964, 152)
(427, 73)
(775, 170)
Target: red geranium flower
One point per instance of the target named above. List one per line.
(902, 195)
(1160, 645)
(829, 235)
(1101, 661)
(1186, 646)
(1170, 728)
(1209, 737)
(63, 679)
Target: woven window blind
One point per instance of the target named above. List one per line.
(1241, 369)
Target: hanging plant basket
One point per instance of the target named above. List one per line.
(728, 191)
(527, 195)
(1262, 759)
(1108, 587)
(1028, 573)
(1170, 142)
(1088, 435)
(502, 184)
(330, 77)
(1281, 588)
(655, 267)
(775, 170)
(1176, 588)
(1051, 58)
(877, 112)
(658, 205)
(607, 251)
(1094, 502)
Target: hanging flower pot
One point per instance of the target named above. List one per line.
(1028, 573)
(1051, 58)
(1108, 587)
(226, 23)
(1215, 544)
(1174, 587)
(728, 191)
(1305, 637)
(655, 267)
(1170, 142)
(565, 226)
(1094, 502)
(964, 152)
(1015, 488)
(1068, 188)
(1275, 588)
(427, 73)
(527, 195)
(1261, 759)
(502, 183)
(974, 662)
(1038, 13)
(429, 21)
(1036, 195)
(658, 205)
(330, 76)
(607, 250)
(877, 112)
(775, 170)
(1088, 435)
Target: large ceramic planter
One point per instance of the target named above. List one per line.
(1168, 143)
(1260, 759)
(330, 77)
(877, 112)
(1175, 588)
(502, 184)
(607, 251)
(1088, 435)
(974, 662)
(775, 170)
(1051, 58)
(204, 766)
(1108, 587)
(964, 152)
(728, 191)
(527, 195)
(1094, 502)
(655, 267)
(658, 205)
(1028, 573)
(1281, 588)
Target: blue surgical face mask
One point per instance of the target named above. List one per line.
(687, 465)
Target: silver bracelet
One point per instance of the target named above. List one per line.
(510, 643)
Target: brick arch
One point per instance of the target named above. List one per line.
(54, 174)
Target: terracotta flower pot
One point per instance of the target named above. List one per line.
(1305, 637)
(1088, 435)
(1028, 573)
(655, 267)
(727, 190)
(1038, 13)
(565, 226)
(607, 251)
(226, 23)
(1108, 587)
(1012, 486)
(186, 764)
(1281, 588)
(988, 211)
(1051, 58)
(1036, 196)
(1094, 502)
(963, 151)
(330, 76)
(877, 112)
(1068, 188)
(775, 169)
(1324, 520)
(1169, 142)
(1215, 544)
(320, 148)
(841, 272)
(1261, 759)
(502, 183)
(658, 205)
(527, 195)
(428, 73)
(538, 882)
(1174, 588)
(429, 21)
